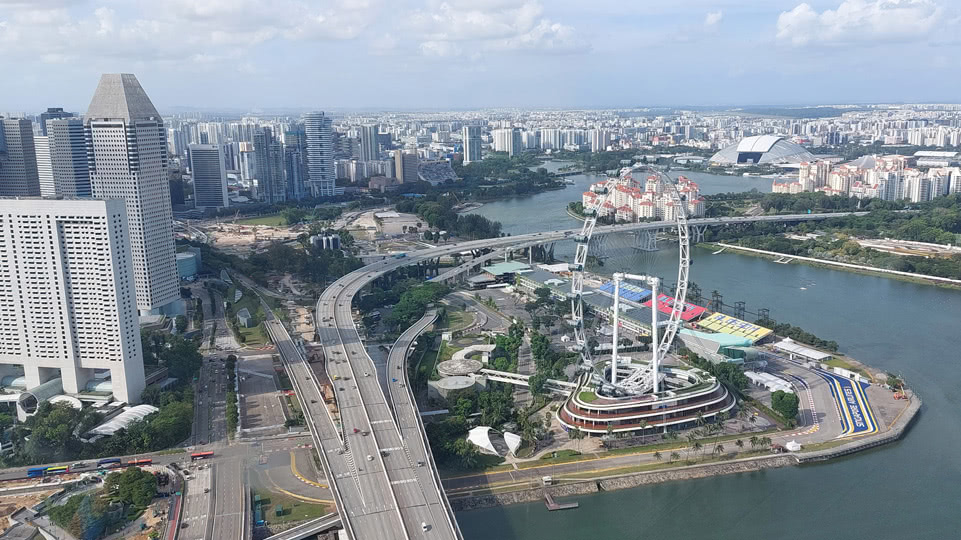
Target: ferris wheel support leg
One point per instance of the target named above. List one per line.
(617, 320)
(655, 362)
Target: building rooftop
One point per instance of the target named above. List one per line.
(124, 419)
(510, 267)
(119, 96)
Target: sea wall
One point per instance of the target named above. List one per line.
(612, 483)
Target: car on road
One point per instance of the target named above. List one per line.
(370, 457)
(424, 527)
(356, 430)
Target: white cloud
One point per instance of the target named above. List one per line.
(173, 30)
(440, 49)
(494, 25)
(546, 36)
(713, 18)
(859, 21)
(383, 44)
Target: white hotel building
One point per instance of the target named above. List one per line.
(68, 311)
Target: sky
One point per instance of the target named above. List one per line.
(468, 54)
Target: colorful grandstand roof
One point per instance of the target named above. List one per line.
(665, 304)
(720, 322)
(628, 291)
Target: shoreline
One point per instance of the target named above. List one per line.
(921, 279)
(602, 483)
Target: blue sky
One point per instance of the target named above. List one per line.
(395, 54)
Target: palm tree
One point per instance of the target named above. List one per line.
(754, 440)
(672, 435)
(577, 435)
(643, 427)
(610, 429)
(657, 456)
(739, 444)
(699, 419)
(718, 449)
(675, 456)
(697, 447)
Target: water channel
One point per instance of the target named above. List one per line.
(911, 489)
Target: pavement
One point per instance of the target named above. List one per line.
(261, 409)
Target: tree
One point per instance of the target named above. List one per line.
(739, 443)
(697, 447)
(6, 421)
(754, 440)
(675, 456)
(785, 403)
(185, 292)
(718, 449)
(536, 383)
(657, 455)
(181, 324)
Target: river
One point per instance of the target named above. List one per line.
(909, 489)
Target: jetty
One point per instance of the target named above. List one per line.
(551, 505)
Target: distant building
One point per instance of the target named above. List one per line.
(271, 186)
(369, 147)
(762, 150)
(209, 175)
(508, 140)
(67, 294)
(44, 166)
(600, 140)
(68, 157)
(405, 166)
(52, 113)
(127, 156)
(320, 154)
(18, 159)
(436, 172)
(472, 144)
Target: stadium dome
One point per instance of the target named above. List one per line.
(762, 150)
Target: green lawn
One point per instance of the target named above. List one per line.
(457, 319)
(294, 509)
(254, 336)
(587, 396)
(840, 363)
(274, 220)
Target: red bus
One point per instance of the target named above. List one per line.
(139, 462)
(200, 455)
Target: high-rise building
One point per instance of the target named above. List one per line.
(209, 175)
(270, 166)
(472, 144)
(369, 146)
(295, 166)
(405, 166)
(600, 139)
(320, 154)
(67, 296)
(127, 156)
(68, 156)
(44, 166)
(52, 113)
(18, 159)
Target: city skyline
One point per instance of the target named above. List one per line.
(461, 55)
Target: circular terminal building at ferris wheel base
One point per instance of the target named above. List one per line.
(685, 395)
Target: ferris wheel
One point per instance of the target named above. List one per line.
(641, 380)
